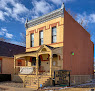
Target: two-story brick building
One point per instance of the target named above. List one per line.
(55, 41)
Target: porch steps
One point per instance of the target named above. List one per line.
(35, 82)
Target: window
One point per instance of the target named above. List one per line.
(53, 34)
(0, 66)
(33, 63)
(19, 63)
(41, 37)
(32, 40)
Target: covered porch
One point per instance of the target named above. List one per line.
(41, 62)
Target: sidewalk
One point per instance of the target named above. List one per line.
(8, 88)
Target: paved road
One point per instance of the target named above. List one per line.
(8, 88)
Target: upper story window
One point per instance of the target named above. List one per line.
(41, 37)
(32, 40)
(54, 34)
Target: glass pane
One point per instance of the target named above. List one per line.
(41, 34)
(32, 43)
(54, 31)
(32, 37)
(54, 39)
(41, 41)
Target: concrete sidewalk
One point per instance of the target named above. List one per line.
(8, 88)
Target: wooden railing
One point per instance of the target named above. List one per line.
(56, 68)
(35, 81)
(19, 69)
(31, 81)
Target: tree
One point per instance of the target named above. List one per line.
(5, 40)
(83, 21)
(2, 39)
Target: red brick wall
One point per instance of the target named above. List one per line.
(77, 40)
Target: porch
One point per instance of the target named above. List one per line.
(39, 64)
(44, 60)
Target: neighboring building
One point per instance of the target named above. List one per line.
(7, 52)
(55, 41)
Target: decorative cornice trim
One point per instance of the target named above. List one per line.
(54, 14)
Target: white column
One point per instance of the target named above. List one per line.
(37, 64)
(51, 64)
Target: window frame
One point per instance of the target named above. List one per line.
(53, 35)
(40, 37)
(31, 42)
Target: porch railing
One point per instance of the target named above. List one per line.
(55, 68)
(25, 70)
(32, 70)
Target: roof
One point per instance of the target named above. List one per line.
(9, 50)
(50, 47)
(26, 52)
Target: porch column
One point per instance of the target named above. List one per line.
(26, 61)
(14, 65)
(51, 64)
(37, 64)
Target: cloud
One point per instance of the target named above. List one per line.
(40, 7)
(59, 2)
(90, 18)
(2, 16)
(4, 32)
(9, 35)
(16, 42)
(13, 9)
(82, 18)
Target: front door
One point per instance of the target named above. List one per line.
(39, 62)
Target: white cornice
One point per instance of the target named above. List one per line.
(44, 18)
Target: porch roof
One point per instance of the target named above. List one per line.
(34, 53)
(52, 48)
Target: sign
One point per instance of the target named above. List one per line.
(26, 70)
(62, 77)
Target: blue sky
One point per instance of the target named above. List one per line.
(13, 14)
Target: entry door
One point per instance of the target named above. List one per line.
(39, 61)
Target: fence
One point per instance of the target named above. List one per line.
(80, 79)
